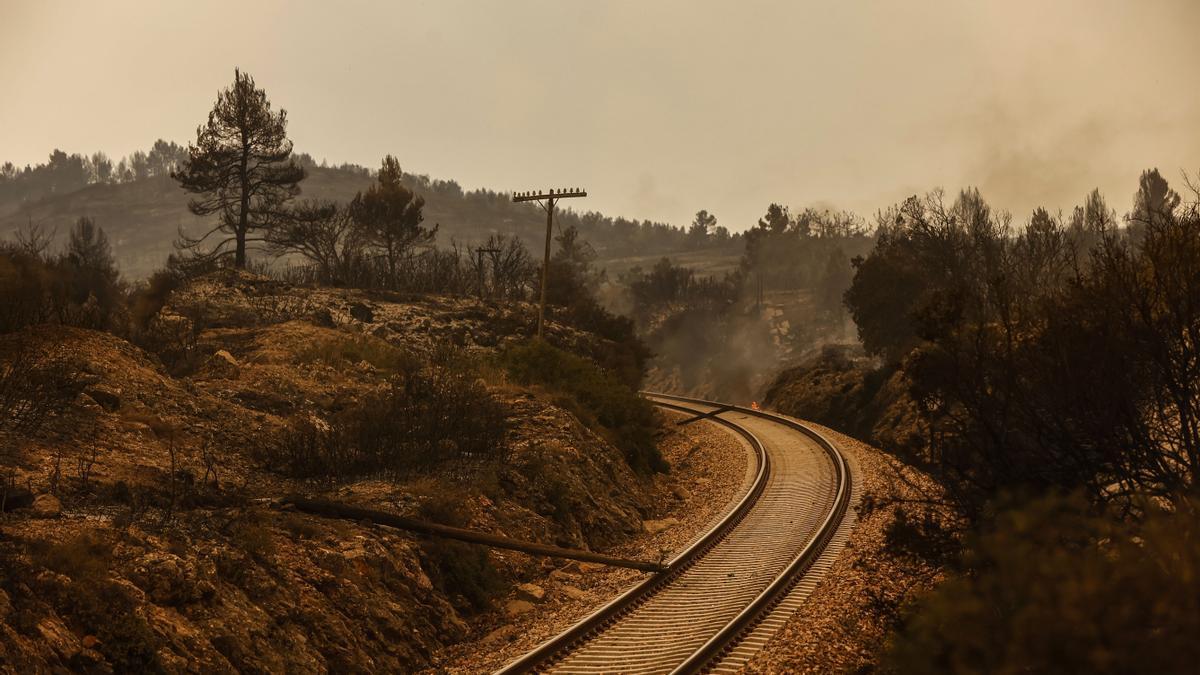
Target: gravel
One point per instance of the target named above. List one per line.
(844, 623)
(710, 469)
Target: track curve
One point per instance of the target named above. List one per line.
(715, 592)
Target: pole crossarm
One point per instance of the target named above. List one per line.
(556, 194)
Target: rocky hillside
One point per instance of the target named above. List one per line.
(139, 529)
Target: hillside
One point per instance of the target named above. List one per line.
(152, 490)
(142, 218)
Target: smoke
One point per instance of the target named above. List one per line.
(733, 355)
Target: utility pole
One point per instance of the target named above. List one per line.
(547, 200)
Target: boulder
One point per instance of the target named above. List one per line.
(323, 318)
(108, 397)
(531, 593)
(360, 312)
(223, 364)
(88, 404)
(15, 497)
(656, 526)
(55, 634)
(503, 633)
(47, 505)
(573, 592)
(517, 607)
(563, 575)
(166, 579)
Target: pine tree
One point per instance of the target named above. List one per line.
(87, 247)
(241, 168)
(389, 217)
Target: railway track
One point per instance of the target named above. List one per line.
(722, 597)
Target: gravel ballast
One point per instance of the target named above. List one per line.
(710, 469)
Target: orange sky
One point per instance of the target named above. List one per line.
(658, 108)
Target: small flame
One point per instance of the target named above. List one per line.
(754, 405)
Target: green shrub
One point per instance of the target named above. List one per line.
(1054, 588)
(598, 397)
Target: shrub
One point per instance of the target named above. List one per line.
(623, 353)
(1053, 587)
(87, 556)
(99, 606)
(596, 396)
(338, 352)
(34, 385)
(429, 416)
(457, 567)
(39, 288)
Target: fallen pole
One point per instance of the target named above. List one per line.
(335, 510)
(706, 415)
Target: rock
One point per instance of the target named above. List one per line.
(89, 661)
(573, 592)
(682, 493)
(223, 364)
(109, 398)
(88, 403)
(136, 427)
(517, 607)
(503, 633)
(382, 332)
(58, 637)
(90, 641)
(531, 592)
(563, 575)
(47, 506)
(360, 312)
(15, 498)
(323, 318)
(166, 578)
(5, 605)
(656, 526)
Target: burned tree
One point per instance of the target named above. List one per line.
(241, 168)
(323, 233)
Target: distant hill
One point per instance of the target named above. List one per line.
(142, 217)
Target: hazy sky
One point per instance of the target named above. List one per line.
(657, 108)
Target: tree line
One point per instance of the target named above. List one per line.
(64, 173)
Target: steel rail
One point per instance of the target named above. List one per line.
(724, 641)
(597, 621)
(727, 637)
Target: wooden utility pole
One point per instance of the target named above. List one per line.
(547, 200)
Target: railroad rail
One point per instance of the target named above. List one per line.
(714, 593)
